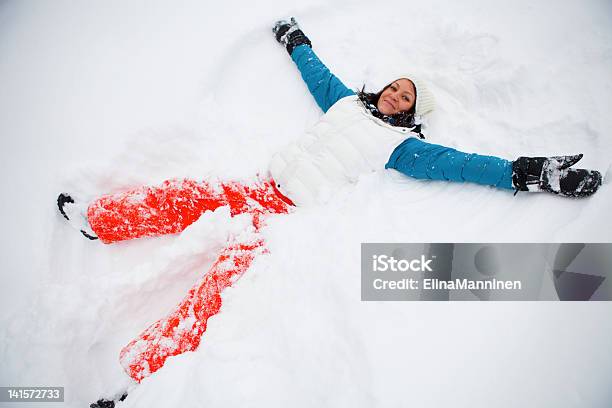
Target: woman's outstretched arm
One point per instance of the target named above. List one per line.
(324, 86)
(556, 175)
(423, 160)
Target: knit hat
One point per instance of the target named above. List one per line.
(425, 101)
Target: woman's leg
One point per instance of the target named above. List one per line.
(174, 205)
(150, 211)
(182, 329)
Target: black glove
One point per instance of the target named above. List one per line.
(289, 34)
(553, 174)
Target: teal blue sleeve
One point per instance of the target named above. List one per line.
(423, 160)
(326, 88)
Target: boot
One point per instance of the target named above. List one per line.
(75, 215)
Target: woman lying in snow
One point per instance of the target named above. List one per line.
(359, 133)
(355, 136)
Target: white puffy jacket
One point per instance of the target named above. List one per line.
(346, 142)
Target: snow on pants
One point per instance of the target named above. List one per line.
(169, 209)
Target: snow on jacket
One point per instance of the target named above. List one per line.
(349, 141)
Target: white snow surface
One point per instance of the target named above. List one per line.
(101, 96)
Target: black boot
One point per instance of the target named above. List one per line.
(65, 204)
(553, 174)
(104, 403)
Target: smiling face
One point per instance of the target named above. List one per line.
(398, 97)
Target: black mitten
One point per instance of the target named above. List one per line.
(289, 34)
(553, 174)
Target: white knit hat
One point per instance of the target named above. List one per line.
(425, 101)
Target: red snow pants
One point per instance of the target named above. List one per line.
(169, 209)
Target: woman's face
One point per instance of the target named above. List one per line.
(398, 97)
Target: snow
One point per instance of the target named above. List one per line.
(102, 96)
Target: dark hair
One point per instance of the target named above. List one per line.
(402, 119)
